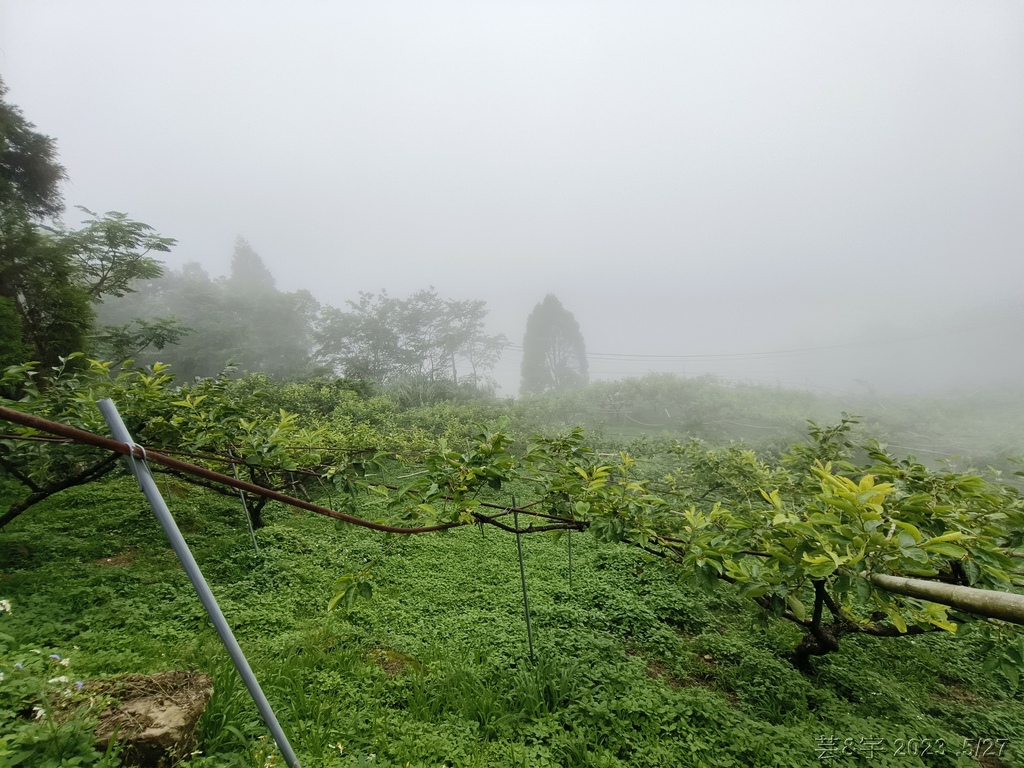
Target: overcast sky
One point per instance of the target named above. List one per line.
(690, 179)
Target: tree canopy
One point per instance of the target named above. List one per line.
(386, 339)
(818, 537)
(51, 276)
(30, 175)
(554, 353)
(241, 319)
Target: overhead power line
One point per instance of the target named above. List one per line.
(638, 357)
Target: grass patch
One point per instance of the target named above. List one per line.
(633, 668)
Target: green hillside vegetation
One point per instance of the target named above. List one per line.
(636, 663)
(633, 668)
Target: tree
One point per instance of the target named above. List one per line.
(187, 292)
(554, 353)
(366, 342)
(39, 283)
(213, 416)
(30, 179)
(127, 341)
(424, 337)
(51, 276)
(274, 329)
(111, 252)
(249, 275)
(241, 320)
(30, 175)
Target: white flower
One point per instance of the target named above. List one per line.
(61, 679)
(65, 662)
(38, 712)
(5, 606)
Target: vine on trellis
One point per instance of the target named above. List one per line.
(800, 537)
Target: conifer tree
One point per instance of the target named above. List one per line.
(554, 353)
(249, 275)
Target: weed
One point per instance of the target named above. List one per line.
(433, 670)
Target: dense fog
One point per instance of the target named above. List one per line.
(823, 197)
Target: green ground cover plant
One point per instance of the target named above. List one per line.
(711, 638)
(634, 667)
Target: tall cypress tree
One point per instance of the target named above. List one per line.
(554, 353)
(249, 275)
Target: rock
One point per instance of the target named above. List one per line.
(153, 717)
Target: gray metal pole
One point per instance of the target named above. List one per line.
(245, 507)
(180, 547)
(522, 575)
(569, 536)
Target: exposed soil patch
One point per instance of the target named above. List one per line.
(153, 716)
(704, 677)
(119, 560)
(658, 671)
(958, 693)
(394, 663)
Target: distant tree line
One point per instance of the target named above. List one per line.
(98, 289)
(243, 319)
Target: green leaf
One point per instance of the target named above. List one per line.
(337, 598)
(949, 626)
(753, 590)
(945, 548)
(894, 616)
(915, 554)
(1012, 673)
(953, 536)
(798, 608)
(909, 529)
(820, 570)
(905, 540)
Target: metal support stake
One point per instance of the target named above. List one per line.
(245, 507)
(180, 547)
(569, 536)
(522, 576)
